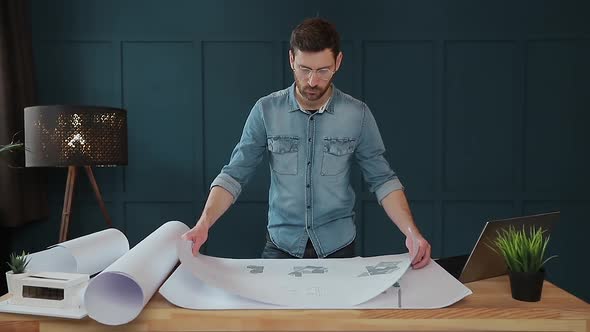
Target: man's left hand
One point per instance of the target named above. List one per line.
(422, 254)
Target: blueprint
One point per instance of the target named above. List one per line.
(309, 283)
(428, 288)
(361, 283)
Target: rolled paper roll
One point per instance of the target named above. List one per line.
(118, 294)
(87, 254)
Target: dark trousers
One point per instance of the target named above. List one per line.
(272, 251)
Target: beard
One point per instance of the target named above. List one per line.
(312, 93)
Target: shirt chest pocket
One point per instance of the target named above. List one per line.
(283, 151)
(337, 155)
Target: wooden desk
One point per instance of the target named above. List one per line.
(490, 308)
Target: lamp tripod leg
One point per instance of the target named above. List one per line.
(98, 195)
(67, 208)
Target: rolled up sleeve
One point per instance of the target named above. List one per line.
(379, 176)
(246, 156)
(228, 183)
(388, 187)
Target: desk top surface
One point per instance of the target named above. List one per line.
(490, 307)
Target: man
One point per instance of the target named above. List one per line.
(312, 132)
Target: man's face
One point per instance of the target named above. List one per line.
(313, 72)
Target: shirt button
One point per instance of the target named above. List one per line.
(308, 186)
(309, 163)
(309, 206)
(311, 119)
(309, 140)
(308, 227)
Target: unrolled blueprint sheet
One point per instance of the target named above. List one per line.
(427, 288)
(308, 283)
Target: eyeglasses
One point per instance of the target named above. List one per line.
(323, 74)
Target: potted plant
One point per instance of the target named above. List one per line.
(18, 269)
(524, 253)
(10, 147)
(13, 146)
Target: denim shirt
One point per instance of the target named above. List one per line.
(310, 156)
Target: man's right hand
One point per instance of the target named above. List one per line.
(197, 235)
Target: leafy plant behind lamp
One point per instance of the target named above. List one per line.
(522, 251)
(12, 147)
(18, 263)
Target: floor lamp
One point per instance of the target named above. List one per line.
(75, 136)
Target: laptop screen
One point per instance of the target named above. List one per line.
(483, 262)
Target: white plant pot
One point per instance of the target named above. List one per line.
(11, 278)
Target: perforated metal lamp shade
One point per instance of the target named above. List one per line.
(66, 135)
(73, 136)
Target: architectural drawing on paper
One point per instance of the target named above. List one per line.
(307, 291)
(255, 269)
(313, 291)
(299, 271)
(381, 268)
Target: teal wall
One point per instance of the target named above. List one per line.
(482, 106)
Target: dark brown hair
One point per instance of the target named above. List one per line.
(315, 35)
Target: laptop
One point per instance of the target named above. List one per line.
(483, 262)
